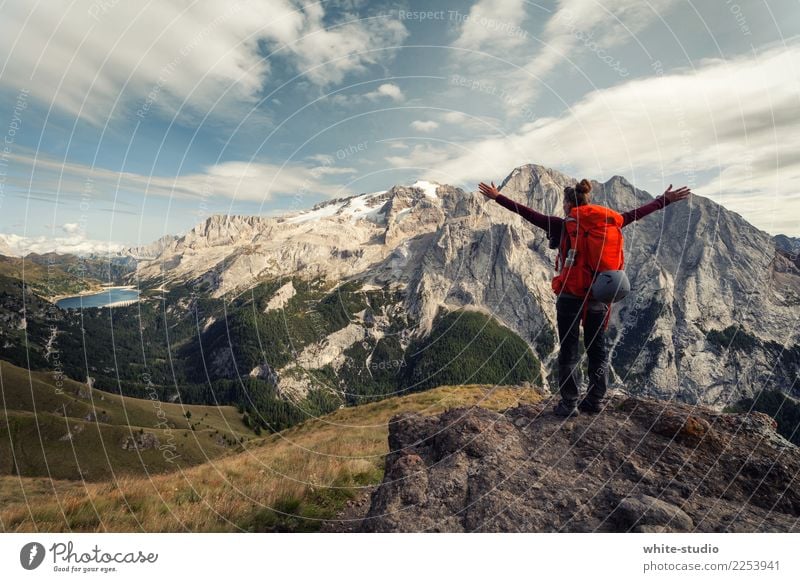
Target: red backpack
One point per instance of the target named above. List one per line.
(593, 243)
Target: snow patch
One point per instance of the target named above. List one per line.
(355, 208)
(359, 208)
(314, 215)
(401, 215)
(428, 188)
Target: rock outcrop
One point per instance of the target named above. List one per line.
(641, 465)
(787, 244)
(140, 441)
(149, 251)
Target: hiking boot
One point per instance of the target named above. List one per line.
(590, 406)
(565, 409)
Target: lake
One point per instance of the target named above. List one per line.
(101, 299)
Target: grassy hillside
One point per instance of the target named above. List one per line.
(288, 481)
(62, 429)
(48, 277)
(104, 269)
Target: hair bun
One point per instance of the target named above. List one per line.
(583, 187)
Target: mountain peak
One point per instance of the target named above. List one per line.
(542, 188)
(428, 188)
(617, 179)
(640, 465)
(537, 173)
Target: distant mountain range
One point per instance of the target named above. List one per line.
(712, 317)
(378, 294)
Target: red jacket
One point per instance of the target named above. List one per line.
(553, 225)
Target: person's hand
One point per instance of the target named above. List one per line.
(489, 191)
(675, 195)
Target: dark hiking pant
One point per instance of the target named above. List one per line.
(568, 312)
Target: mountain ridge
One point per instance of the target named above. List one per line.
(324, 310)
(700, 273)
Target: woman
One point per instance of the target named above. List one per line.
(569, 308)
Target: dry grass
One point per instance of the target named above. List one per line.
(286, 481)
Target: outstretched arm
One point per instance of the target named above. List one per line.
(668, 197)
(550, 224)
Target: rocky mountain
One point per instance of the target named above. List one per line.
(712, 317)
(149, 251)
(334, 239)
(435, 246)
(642, 465)
(787, 244)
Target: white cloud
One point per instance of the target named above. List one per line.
(493, 24)
(384, 91)
(238, 180)
(387, 90)
(737, 120)
(426, 156)
(75, 245)
(424, 126)
(71, 227)
(471, 123)
(172, 54)
(246, 181)
(574, 29)
(584, 26)
(321, 158)
(332, 171)
(455, 117)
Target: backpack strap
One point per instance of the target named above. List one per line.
(566, 242)
(585, 309)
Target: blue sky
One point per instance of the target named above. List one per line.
(123, 122)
